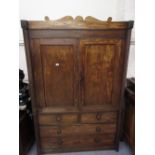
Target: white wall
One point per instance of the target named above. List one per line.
(101, 9)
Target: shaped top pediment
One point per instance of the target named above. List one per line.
(68, 22)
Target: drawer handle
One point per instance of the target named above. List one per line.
(59, 131)
(97, 140)
(60, 142)
(98, 116)
(58, 118)
(98, 129)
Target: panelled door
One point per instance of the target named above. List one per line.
(55, 72)
(100, 71)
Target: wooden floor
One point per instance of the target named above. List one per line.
(123, 150)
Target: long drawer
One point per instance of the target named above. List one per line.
(77, 141)
(94, 117)
(83, 129)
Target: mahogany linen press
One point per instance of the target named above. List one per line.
(77, 71)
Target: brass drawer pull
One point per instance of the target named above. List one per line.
(98, 116)
(59, 131)
(98, 129)
(58, 118)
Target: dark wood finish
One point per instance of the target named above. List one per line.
(78, 141)
(50, 33)
(57, 119)
(129, 121)
(101, 69)
(71, 130)
(31, 79)
(107, 117)
(55, 58)
(77, 69)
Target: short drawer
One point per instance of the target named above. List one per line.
(101, 117)
(50, 119)
(84, 129)
(77, 141)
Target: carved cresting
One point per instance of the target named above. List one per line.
(78, 20)
(68, 22)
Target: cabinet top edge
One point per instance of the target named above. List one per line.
(68, 22)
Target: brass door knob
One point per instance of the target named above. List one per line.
(57, 64)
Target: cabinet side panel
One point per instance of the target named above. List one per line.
(122, 78)
(31, 84)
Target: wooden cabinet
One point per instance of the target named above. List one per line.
(77, 71)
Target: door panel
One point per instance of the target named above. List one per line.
(99, 61)
(59, 69)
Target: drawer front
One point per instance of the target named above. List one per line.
(53, 131)
(101, 117)
(57, 119)
(77, 141)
